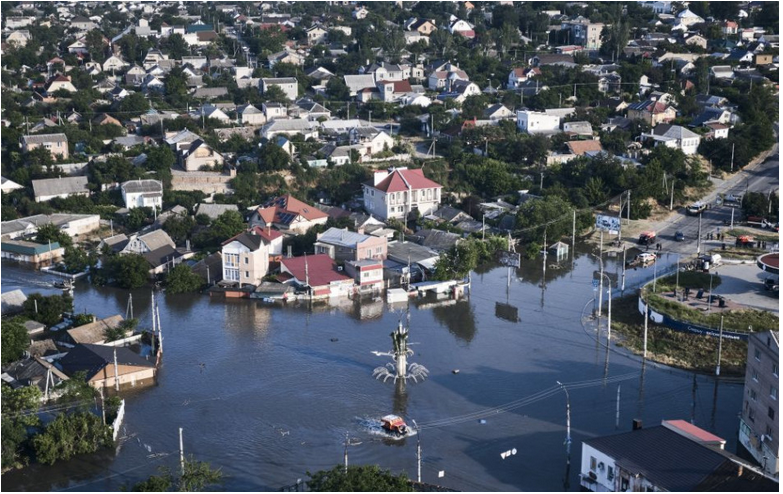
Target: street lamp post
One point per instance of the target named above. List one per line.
(568, 417)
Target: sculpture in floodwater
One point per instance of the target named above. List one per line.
(399, 368)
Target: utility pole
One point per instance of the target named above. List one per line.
(609, 315)
(671, 200)
(732, 157)
(483, 217)
(601, 278)
(646, 321)
(181, 454)
(732, 218)
(568, 417)
(345, 454)
(573, 236)
(418, 455)
(116, 372)
(160, 329)
(617, 415)
(698, 239)
(629, 207)
(720, 346)
(103, 408)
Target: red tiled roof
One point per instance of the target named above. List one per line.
(396, 181)
(399, 86)
(285, 208)
(321, 270)
(694, 431)
(266, 233)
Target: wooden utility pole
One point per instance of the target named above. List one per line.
(116, 372)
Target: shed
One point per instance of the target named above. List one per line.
(559, 250)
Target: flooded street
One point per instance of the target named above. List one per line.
(267, 393)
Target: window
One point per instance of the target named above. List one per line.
(751, 415)
(775, 370)
(769, 431)
(755, 375)
(771, 413)
(752, 394)
(247, 274)
(247, 260)
(610, 473)
(623, 484)
(593, 463)
(773, 393)
(757, 354)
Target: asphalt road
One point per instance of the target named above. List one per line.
(764, 177)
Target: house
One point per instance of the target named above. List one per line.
(58, 83)
(142, 193)
(696, 40)
(443, 79)
(533, 122)
(72, 224)
(250, 115)
(581, 148)
(213, 211)
(675, 456)
(725, 72)
(393, 90)
(35, 371)
(344, 245)
(199, 154)
(19, 38)
(373, 140)
(388, 72)
(289, 127)
(105, 119)
(57, 144)
(764, 59)
(113, 63)
(13, 302)
(245, 258)
(289, 86)
(729, 28)
(584, 33)
(422, 26)
(274, 110)
(578, 129)
(398, 192)
(8, 185)
(98, 364)
(675, 136)
(207, 93)
(285, 56)
(158, 249)
(288, 214)
(31, 252)
(49, 188)
(652, 112)
(420, 258)
(360, 13)
(449, 215)
(367, 274)
(521, 74)
(82, 23)
(90, 333)
(688, 18)
(759, 422)
(461, 90)
(311, 110)
(463, 28)
(149, 242)
(357, 83)
(437, 240)
(716, 131)
(317, 274)
(316, 34)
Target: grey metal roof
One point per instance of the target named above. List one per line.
(215, 210)
(12, 301)
(344, 238)
(42, 138)
(667, 459)
(399, 252)
(57, 186)
(157, 239)
(143, 186)
(279, 80)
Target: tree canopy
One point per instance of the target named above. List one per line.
(359, 478)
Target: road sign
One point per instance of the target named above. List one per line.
(595, 283)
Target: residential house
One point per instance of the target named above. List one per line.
(209, 93)
(158, 249)
(145, 193)
(581, 148)
(367, 274)
(9, 185)
(250, 115)
(373, 140)
(245, 258)
(49, 188)
(358, 83)
(533, 122)
(316, 34)
(31, 252)
(578, 129)
(463, 28)
(142, 244)
(274, 110)
(584, 33)
(318, 274)
(57, 144)
(289, 86)
(59, 83)
(388, 72)
(19, 38)
(675, 136)
(448, 214)
(105, 119)
(106, 366)
(725, 72)
(422, 26)
(82, 23)
(521, 74)
(439, 80)
(673, 457)
(759, 421)
(392, 91)
(288, 214)
(421, 259)
(35, 371)
(312, 111)
(114, 63)
(764, 59)
(716, 131)
(72, 224)
(437, 240)
(461, 90)
(652, 112)
(397, 192)
(91, 333)
(199, 154)
(729, 28)
(213, 211)
(344, 245)
(289, 127)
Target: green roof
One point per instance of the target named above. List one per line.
(28, 248)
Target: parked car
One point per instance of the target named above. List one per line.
(647, 238)
(646, 257)
(679, 237)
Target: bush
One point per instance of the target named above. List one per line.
(70, 435)
(182, 279)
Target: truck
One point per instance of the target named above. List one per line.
(647, 238)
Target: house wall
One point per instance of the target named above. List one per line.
(127, 376)
(537, 123)
(86, 193)
(253, 119)
(602, 481)
(244, 266)
(55, 148)
(202, 157)
(398, 204)
(761, 384)
(291, 90)
(138, 200)
(47, 258)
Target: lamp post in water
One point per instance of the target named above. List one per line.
(568, 417)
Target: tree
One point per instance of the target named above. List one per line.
(137, 217)
(94, 42)
(197, 477)
(121, 330)
(129, 270)
(77, 260)
(70, 435)
(360, 478)
(276, 95)
(177, 46)
(47, 310)
(273, 158)
(393, 44)
(182, 279)
(19, 412)
(15, 340)
(134, 104)
(50, 233)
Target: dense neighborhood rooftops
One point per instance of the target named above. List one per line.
(342, 237)
(94, 332)
(284, 209)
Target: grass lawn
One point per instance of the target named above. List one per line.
(683, 350)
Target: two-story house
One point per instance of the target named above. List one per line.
(289, 86)
(199, 154)
(245, 258)
(675, 136)
(56, 144)
(652, 112)
(344, 245)
(397, 192)
(142, 194)
(533, 122)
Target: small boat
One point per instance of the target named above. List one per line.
(63, 284)
(394, 424)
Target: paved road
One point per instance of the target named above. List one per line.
(763, 177)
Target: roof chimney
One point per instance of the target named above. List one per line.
(379, 176)
(637, 424)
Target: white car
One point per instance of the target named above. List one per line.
(646, 257)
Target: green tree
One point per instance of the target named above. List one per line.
(47, 310)
(129, 270)
(134, 104)
(122, 330)
(50, 233)
(276, 95)
(337, 90)
(177, 46)
(19, 413)
(273, 158)
(137, 217)
(77, 260)
(358, 478)
(70, 435)
(197, 476)
(15, 340)
(182, 279)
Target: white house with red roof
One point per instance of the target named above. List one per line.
(288, 214)
(319, 274)
(393, 90)
(395, 193)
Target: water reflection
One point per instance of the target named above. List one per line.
(458, 318)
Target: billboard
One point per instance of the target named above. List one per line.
(610, 224)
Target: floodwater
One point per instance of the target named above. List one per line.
(268, 393)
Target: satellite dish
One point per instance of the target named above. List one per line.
(514, 451)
